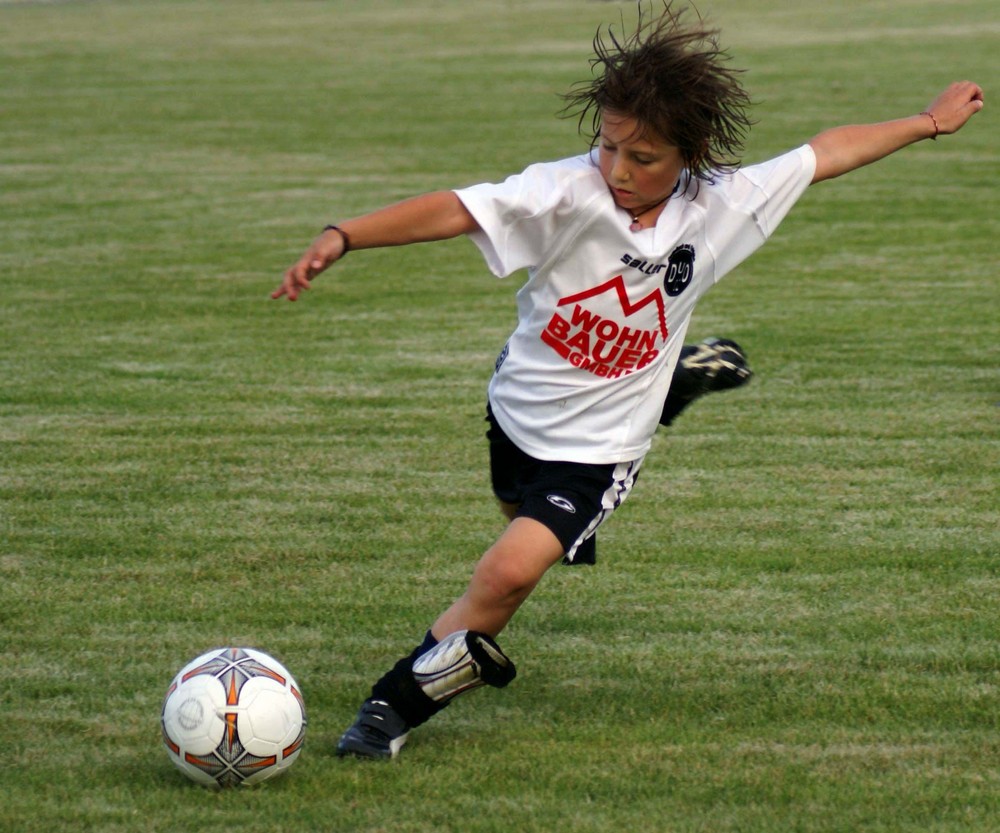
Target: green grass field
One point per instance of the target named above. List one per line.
(794, 625)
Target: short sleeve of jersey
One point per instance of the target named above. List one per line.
(520, 217)
(753, 201)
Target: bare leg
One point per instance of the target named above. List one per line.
(502, 580)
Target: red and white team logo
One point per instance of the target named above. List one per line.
(603, 345)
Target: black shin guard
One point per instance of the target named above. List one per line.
(423, 683)
(400, 690)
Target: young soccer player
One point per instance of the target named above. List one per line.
(619, 244)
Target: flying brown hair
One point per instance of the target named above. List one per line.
(673, 79)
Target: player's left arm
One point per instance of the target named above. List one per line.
(843, 149)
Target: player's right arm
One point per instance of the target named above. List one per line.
(439, 215)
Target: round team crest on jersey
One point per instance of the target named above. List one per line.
(680, 270)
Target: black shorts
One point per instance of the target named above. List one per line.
(570, 499)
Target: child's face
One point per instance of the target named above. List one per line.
(640, 168)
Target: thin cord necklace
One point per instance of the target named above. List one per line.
(635, 215)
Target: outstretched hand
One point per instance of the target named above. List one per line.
(325, 250)
(955, 106)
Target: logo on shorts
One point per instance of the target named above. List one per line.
(562, 503)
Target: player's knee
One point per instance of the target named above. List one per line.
(506, 580)
(511, 568)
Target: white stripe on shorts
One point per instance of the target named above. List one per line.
(622, 481)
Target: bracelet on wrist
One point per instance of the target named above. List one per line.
(343, 234)
(937, 129)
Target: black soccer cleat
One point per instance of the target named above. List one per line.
(711, 365)
(378, 732)
(714, 364)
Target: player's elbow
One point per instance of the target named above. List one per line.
(829, 163)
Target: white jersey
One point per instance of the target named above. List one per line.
(602, 316)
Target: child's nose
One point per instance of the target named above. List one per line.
(620, 170)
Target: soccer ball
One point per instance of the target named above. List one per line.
(233, 716)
